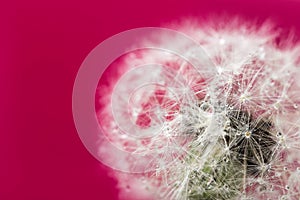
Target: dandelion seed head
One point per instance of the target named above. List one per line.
(234, 135)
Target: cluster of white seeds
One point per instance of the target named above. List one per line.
(230, 133)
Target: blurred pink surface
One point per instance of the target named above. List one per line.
(42, 45)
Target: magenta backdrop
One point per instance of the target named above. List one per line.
(42, 45)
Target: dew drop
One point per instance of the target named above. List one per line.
(278, 135)
(283, 197)
(287, 187)
(247, 134)
(226, 187)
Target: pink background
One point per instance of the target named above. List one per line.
(42, 45)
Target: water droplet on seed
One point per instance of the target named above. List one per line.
(287, 187)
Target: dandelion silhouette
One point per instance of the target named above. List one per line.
(233, 135)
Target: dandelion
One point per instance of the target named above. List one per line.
(229, 133)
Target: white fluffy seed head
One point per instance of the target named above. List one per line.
(235, 136)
